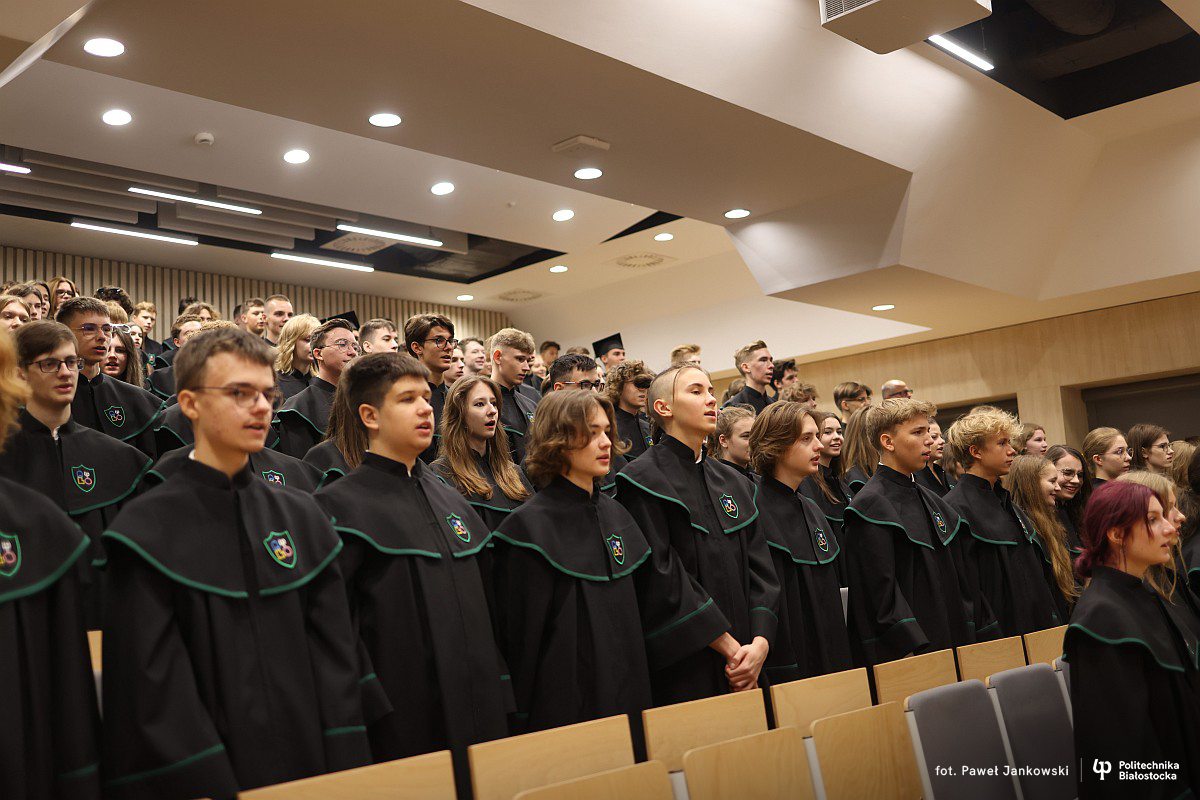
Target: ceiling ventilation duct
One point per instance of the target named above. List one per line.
(884, 26)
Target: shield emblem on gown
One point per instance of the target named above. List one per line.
(617, 547)
(115, 415)
(84, 477)
(729, 505)
(281, 547)
(458, 527)
(10, 554)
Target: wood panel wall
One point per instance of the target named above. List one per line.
(163, 286)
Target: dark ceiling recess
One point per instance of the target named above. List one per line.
(1074, 57)
(652, 221)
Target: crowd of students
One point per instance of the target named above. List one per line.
(312, 545)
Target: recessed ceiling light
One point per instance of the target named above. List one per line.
(883, 307)
(588, 173)
(105, 48)
(117, 117)
(384, 120)
(465, 297)
(296, 156)
(183, 198)
(324, 262)
(445, 187)
(559, 268)
(106, 228)
(956, 49)
(563, 215)
(400, 237)
(664, 237)
(14, 168)
(736, 213)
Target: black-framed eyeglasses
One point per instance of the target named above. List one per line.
(64, 293)
(48, 365)
(246, 396)
(593, 386)
(344, 344)
(442, 343)
(92, 328)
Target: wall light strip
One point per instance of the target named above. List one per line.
(956, 49)
(195, 200)
(399, 237)
(14, 168)
(324, 262)
(158, 237)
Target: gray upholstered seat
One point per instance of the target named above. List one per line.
(1039, 729)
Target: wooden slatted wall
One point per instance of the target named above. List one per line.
(163, 286)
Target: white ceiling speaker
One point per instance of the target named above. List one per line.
(884, 26)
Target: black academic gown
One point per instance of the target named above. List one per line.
(751, 397)
(151, 347)
(1005, 557)
(834, 510)
(812, 638)
(856, 479)
(633, 429)
(86, 474)
(49, 731)
(494, 509)
(274, 468)
(419, 607)
(1191, 562)
(703, 515)
(229, 657)
(437, 399)
(329, 460)
(516, 412)
(293, 383)
(302, 421)
(935, 479)
(571, 623)
(1068, 523)
(120, 410)
(910, 589)
(1135, 688)
(162, 382)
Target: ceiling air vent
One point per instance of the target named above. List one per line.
(520, 296)
(358, 243)
(641, 260)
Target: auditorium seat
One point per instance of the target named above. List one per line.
(896, 680)
(1044, 646)
(867, 754)
(1036, 717)
(673, 730)
(977, 661)
(427, 777)
(645, 781)
(765, 766)
(503, 768)
(799, 703)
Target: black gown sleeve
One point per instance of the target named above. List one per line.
(375, 702)
(880, 615)
(525, 594)
(764, 587)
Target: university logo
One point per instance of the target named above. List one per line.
(530, 416)
(822, 540)
(1101, 768)
(281, 547)
(115, 415)
(10, 554)
(729, 506)
(458, 526)
(271, 476)
(617, 548)
(649, 442)
(940, 521)
(85, 477)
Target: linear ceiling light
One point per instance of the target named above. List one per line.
(324, 262)
(196, 200)
(956, 49)
(399, 237)
(14, 168)
(106, 228)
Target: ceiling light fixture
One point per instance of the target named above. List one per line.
(957, 50)
(883, 307)
(559, 268)
(296, 156)
(563, 215)
(105, 48)
(14, 168)
(106, 228)
(736, 213)
(465, 297)
(196, 200)
(399, 237)
(664, 237)
(588, 173)
(324, 262)
(384, 120)
(117, 116)
(445, 187)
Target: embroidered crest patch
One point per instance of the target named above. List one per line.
(458, 526)
(617, 548)
(281, 547)
(85, 477)
(115, 415)
(10, 554)
(271, 476)
(729, 506)
(822, 540)
(940, 521)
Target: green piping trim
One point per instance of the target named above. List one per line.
(893, 627)
(153, 773)
(683, 505)
(478, 504)
(345, 730)
(764, 608)
(171, 430)
(137, 548)
(155, 473)
(754, 516)
(161, 408)
(572, 573)
(391, 551)
(995, 624)
(954, 532)
(312, 424)
(817, 563)
(672, 625)
(838, 520)
(512, 430)
(133, 486)
(371, 676)
(982, 538)
(1127, 640)
(864, 517)
(50, 579)
(90, 769)
(314, 572)
(506, 677)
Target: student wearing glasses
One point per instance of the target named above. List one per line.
(429, 338)
(1071, 496)
(1150, 448)
(62, 290)
(302, 421)
(895, 388)
(1107, 454)
(113, 407)
(510, 352)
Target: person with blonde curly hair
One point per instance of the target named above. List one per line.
(1003, 548)
(625, 387)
